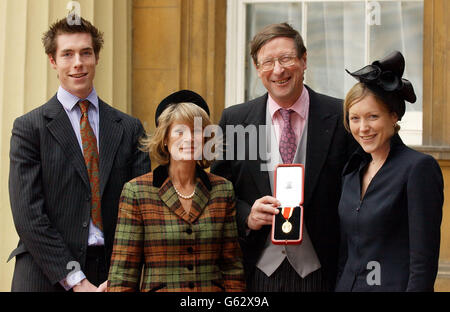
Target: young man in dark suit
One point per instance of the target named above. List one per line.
(69, 160)
(307, 128)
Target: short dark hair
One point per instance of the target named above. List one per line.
(63, 27)
(274, 31)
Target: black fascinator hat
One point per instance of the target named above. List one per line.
(384, 78)
(182, 96)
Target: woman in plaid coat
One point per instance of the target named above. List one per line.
(176, 227)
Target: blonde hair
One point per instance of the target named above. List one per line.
(180, 112)
(357, 93)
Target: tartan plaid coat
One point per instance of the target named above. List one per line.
(173, 250)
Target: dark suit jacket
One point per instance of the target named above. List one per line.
(328, 149)
(50, 193)
(396, 224)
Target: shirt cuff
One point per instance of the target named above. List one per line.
(72, 280)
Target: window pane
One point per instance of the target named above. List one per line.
(335, 42)
(401, 28)
(258, 16)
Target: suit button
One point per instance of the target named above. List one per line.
(190, 267)
(85, 224)
(191, 285)
(88, 198)
(189, 231)
(190, 250)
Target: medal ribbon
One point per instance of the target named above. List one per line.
(287, 212)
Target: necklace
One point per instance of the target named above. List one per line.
(379, 167)
(184, 196)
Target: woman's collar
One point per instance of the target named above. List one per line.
(361, 158)
(161, 174)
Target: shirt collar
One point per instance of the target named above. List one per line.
(68, 100)
(300, 106)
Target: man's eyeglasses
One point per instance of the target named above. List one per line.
(284, 61)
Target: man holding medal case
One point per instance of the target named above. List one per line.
(306, 128)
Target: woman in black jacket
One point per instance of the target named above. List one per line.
(391, 203)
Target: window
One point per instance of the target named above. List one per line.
(339, 35)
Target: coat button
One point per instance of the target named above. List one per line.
(190, 250)
(85, 224)
(190, 267)
(88, 198)
(191, 285)
(189, 231)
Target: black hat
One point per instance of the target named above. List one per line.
(384, 78)
(182, 96)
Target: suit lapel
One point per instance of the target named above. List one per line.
(321, 127)
(201, 198)
(61, 129)
(110, 136)
(257, 117)
(170, 198)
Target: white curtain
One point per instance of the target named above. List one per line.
(335, 37)
(401, 29)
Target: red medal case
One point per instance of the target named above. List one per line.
(287, 179)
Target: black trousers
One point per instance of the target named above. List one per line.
(286, 279)
(95, 268)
